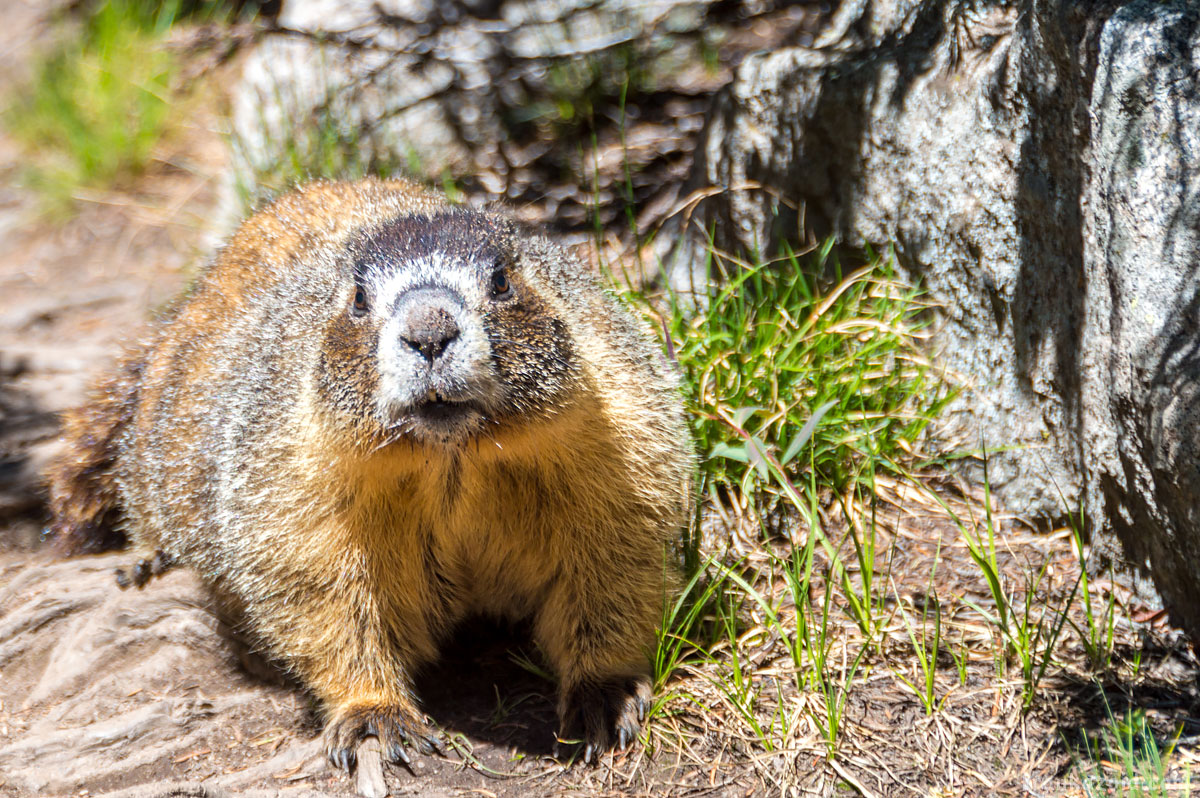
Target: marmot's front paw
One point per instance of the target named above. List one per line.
(144, 570)
(606, 714)
(394, 726)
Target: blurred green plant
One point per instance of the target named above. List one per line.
(1127, 758)
(322, 144)
(97, 105)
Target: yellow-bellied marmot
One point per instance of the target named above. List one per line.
(376, 414)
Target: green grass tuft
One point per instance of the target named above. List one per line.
(803, 363)
(802, 380)
(1127, 758)
(96, 107)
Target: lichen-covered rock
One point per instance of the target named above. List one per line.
(1035, 166)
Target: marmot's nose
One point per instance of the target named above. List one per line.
(429, 330)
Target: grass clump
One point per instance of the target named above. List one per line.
(1128, 758)
(804, 381)
(798, 364)
(96, 107)
(830, 578)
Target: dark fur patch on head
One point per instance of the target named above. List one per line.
(462, 233)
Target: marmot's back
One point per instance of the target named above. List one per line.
(377, 413)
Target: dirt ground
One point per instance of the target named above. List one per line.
(146, 693)
(143, 692)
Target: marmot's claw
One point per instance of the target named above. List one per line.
(344, 759)
(160, 563)
(143, 570)
(606, 714)
(395, 753)
(394, 726)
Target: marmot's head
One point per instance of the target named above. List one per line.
(444, 331)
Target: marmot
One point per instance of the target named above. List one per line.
(376, 413)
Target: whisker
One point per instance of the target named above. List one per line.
(488, 432)
(388, 442)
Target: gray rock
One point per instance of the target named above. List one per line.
(931, 141)
(414, 85)
(1035, 166)
(340, 72)
(1140, 342)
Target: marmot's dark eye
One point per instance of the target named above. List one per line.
(360, 301)
(501, 287)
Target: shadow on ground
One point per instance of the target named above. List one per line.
(479, 688)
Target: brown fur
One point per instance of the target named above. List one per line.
(242, 442)
(84, 500)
